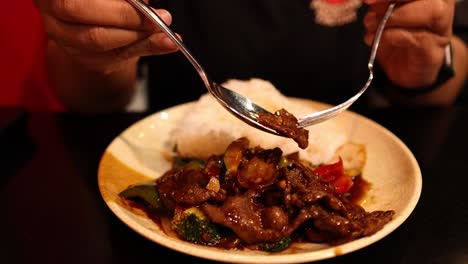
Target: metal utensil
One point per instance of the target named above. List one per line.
(235, 103)
(241, 106)
(326, 114)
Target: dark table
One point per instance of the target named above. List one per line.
(52, 210)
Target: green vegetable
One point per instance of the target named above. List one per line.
(233, 156)
(179, 162)
(193, 226)
(145, 194)
(276, 246)
(284, 162)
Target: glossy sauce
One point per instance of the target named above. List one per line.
(359, 190)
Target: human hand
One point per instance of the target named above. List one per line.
(412, 46)
(103, 35)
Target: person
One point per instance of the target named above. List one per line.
(315, 49)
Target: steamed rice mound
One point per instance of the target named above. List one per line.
(207, 128)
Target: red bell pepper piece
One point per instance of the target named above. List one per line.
(334, 173)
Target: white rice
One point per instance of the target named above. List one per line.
(208, 128)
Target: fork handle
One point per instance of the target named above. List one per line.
(380, 29)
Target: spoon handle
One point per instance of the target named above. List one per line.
(149, 13)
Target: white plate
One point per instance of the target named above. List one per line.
(138, 154)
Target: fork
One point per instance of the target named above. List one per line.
(238, 105)
(326, 114)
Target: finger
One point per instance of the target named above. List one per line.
(90, 38)
(431, 15)
(407, 39)
(156, 44)
(114, 13)
(413, 49)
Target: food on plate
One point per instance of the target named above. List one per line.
(206, 128)
(234, 186)
(259, 198)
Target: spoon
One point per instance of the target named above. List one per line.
(238, 105)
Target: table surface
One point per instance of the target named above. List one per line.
(52, 210)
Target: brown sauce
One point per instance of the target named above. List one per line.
(359, 190)
(114, 176)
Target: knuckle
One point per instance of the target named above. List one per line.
(439, 8)
(153, 43)
(144, 47)
(66, 9)
(123, 53)
(439, 15)
(94, 39)
(126, 15)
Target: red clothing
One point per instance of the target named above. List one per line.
(23, 81)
